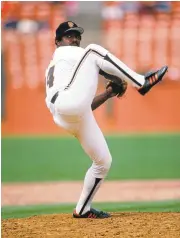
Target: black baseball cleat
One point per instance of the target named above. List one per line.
(151, 79)
(92, 214)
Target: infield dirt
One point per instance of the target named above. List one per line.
(110, 191)
(122, 225)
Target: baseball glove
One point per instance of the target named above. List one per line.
(117, 90)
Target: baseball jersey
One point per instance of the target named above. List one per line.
(58, 74)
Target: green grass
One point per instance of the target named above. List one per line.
(26, 211)
(55, 158)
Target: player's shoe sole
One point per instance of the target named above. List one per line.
(93, 213)
(151, 79)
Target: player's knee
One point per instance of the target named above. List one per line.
(102, 51)
(107, 164)
(101, 167)
(92, 46)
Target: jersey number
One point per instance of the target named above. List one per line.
(50, 77)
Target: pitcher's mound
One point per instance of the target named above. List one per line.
(119, 225)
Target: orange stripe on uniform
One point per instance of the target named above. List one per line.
(156, 77)
(150, 80)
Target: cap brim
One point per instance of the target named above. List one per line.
(78, 29)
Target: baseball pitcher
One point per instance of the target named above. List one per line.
(71, 84)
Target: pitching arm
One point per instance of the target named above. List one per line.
(99, 100)
(103, 97)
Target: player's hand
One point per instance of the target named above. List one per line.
(113, 89)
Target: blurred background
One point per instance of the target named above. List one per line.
(144, 35)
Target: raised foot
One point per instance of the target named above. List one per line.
(151, 79)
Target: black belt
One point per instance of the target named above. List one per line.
(53, 99)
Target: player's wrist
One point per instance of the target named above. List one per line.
(107, 94)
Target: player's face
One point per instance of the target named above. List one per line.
(72, 38)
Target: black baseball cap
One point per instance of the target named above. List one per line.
(66, 27)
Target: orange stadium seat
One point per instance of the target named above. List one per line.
(143, 41)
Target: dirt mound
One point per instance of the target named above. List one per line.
(124, 225)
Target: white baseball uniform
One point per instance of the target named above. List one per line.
(71, 84)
